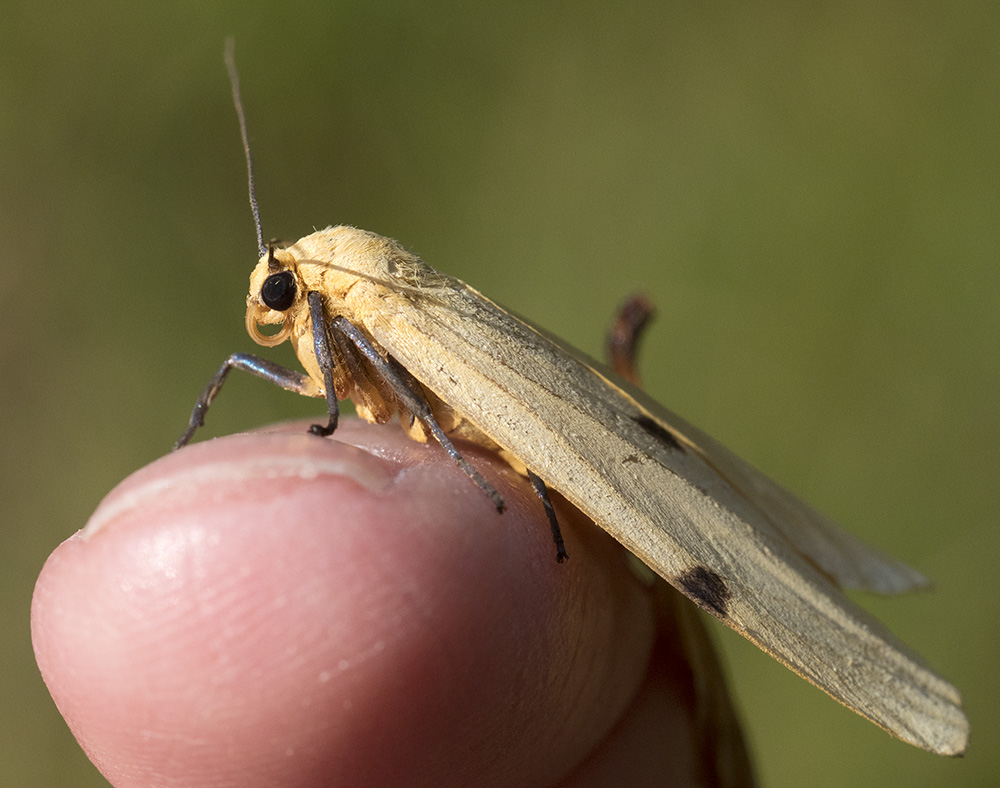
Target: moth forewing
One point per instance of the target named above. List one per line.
(849, 561)
(718, 530)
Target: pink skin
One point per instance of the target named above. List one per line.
(277, 609)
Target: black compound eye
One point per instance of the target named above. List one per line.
(278, 291)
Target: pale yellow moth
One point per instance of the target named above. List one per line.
(372, 322)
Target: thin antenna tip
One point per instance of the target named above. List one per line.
(234, 79)
(229, 57)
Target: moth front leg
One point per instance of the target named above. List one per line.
(324, 357)
(288, 379)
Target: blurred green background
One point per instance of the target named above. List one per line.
(810, 192)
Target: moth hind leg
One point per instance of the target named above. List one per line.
(543, 493)
(623, 337)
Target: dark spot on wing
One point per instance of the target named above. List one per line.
(659, 432)
(632, 458)
(707, 588)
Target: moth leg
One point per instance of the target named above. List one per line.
(288, 379)
(543, 493)
(404, 388)
(623, 338)
(321, 346)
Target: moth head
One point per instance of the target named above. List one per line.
(276, 296)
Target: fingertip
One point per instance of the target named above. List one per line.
(282, 607)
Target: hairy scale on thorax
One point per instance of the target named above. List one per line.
(370, 274)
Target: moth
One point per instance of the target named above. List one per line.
(370, 321)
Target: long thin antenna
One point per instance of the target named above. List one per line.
(234, 80)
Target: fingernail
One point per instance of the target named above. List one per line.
(238, 460)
